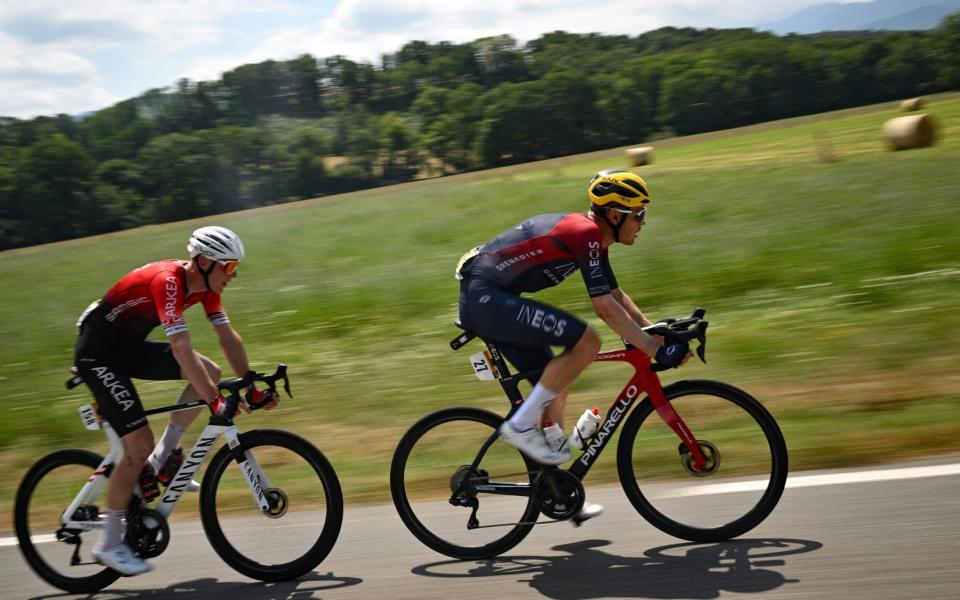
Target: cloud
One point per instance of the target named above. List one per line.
(82, 55)
(113, 49)
(367, 29)
(36, 80)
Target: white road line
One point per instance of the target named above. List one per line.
(797, 481)
(37, 539)
(818, 480)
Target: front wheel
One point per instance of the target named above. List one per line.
(449, 506)
(741, 482)
(306, 506)
(60, 557)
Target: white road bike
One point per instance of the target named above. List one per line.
(269, 517)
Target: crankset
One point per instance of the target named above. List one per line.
(147, 532)
(559, 494)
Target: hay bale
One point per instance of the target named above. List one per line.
(912, 104)
(637, 157)
(824, 144)
(911, 131)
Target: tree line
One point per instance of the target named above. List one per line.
(279, 131)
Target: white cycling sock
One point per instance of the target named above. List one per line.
(167, 444)
(529, 412)
(113, 530)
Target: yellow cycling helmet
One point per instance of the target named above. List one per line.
(619, 188)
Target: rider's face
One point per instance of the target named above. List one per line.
(629, 229)
(219, 277)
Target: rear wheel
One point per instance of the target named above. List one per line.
(432, 466)
(744, 474)
(306, 512)
(46, 491)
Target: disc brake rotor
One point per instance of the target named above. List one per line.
(711, 455)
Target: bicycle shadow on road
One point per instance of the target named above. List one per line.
(683, 570)
(209, 588)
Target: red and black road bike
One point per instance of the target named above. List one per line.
(710, 468)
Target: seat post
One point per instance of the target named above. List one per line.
(509, 382)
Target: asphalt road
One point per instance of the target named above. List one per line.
(895, 535)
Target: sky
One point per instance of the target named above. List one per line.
(83, 55)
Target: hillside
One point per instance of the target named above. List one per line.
(831, 290)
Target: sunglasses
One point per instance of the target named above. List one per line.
(229, 266)
(639, 215)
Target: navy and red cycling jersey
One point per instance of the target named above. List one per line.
(155, 294)
(543, 251)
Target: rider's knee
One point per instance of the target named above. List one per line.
(590, 342)
(138, 445)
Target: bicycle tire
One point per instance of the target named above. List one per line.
(755, 515)
(77, 585)
(409, 517)
(333, 507)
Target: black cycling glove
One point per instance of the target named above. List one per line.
(671, 355)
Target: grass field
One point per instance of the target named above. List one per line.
(831, 287)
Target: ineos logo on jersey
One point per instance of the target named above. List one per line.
(593, 254)
(541, 320)
(117, 390)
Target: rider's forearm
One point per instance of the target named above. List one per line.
(620, 321)
(192, 368)
(233, 349)
(632, 309)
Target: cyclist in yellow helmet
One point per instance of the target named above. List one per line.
(541, 252)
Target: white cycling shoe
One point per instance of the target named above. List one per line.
(121, 559)
(533, 444)
(588, 511)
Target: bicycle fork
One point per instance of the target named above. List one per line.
(252, 473)
(669, 416)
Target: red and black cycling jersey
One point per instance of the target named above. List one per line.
(155, 294)
(543, 251)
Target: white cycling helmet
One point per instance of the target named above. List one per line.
(216, 243)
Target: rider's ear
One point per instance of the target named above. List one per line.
(614, 216)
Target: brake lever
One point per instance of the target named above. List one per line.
(282, 372)
(271, 380)
(702, 338)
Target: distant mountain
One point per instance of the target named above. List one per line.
(879, 14)
(925, 17)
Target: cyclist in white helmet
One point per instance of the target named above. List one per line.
(112, 349)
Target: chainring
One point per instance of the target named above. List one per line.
(147, 532)
(558, 494)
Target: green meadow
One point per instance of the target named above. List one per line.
(832, 288)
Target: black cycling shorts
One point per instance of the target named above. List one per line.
(524, 329)
(107, 363)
